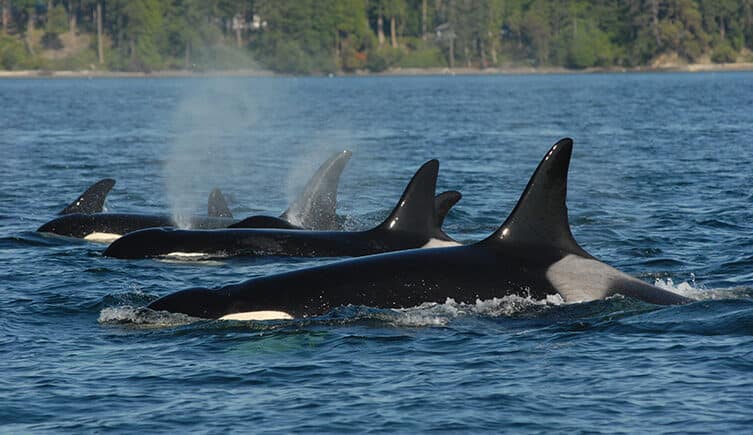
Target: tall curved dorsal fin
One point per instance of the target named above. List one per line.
(93, 198)
(540, 217)
(416, 212)
(217, 206)
(315, 206)
(444, 202)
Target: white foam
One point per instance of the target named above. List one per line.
(102, 237)
(258, 315)
(190, 257)
(434, 314)
(142, 317)
(436, 243)
(205, 261)
(694, 291)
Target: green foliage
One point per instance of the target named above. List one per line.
(589, 47)
(82, 60)
(723, 53)
(321, 36)
(430, 57)
(13, 54)
(351, 59)
(376, 63)
(290, 58)
(537, 30)
(147, 34)
(57, 20)
(51, 41)
(221, 57)
(384, 58)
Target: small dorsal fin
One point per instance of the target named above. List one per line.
(264, 222)
(540, 217)
(92, 200)
(315, 206)
(217, 206)
(416, 212)
(444, 202)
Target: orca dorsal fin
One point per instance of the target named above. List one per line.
(416, 212)
(217, 206)
(540, 217)
(93, 198)
(315, 206)
(444, 202)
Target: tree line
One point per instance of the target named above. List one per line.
(304, 36)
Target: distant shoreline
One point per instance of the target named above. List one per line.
(699, 67)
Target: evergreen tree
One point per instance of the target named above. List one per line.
(303, 36)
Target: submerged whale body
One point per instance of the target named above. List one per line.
(533, 253)
(415, 222)
(314, 208)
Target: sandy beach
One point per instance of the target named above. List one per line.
(696, 67)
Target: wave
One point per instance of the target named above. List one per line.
(699, 293)
(434, 314)
(34, 239)
(142, 317)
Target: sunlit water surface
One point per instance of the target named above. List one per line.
(660, 186)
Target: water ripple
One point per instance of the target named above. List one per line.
(81, 354)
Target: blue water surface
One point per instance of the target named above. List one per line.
(660, 187)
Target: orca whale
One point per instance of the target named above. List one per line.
(532, 254)
(413, 223)
(91, 224)
(314, 208)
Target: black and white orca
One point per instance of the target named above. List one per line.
(413, 223)
(314, 208)
(106, 227)
(533, 253)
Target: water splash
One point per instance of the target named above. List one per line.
(434, 314)
(142, 317)
(698, 292)
(213, 122)
(192, 258)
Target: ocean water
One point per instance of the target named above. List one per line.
(660, 187)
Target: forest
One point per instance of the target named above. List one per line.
(329, 36)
